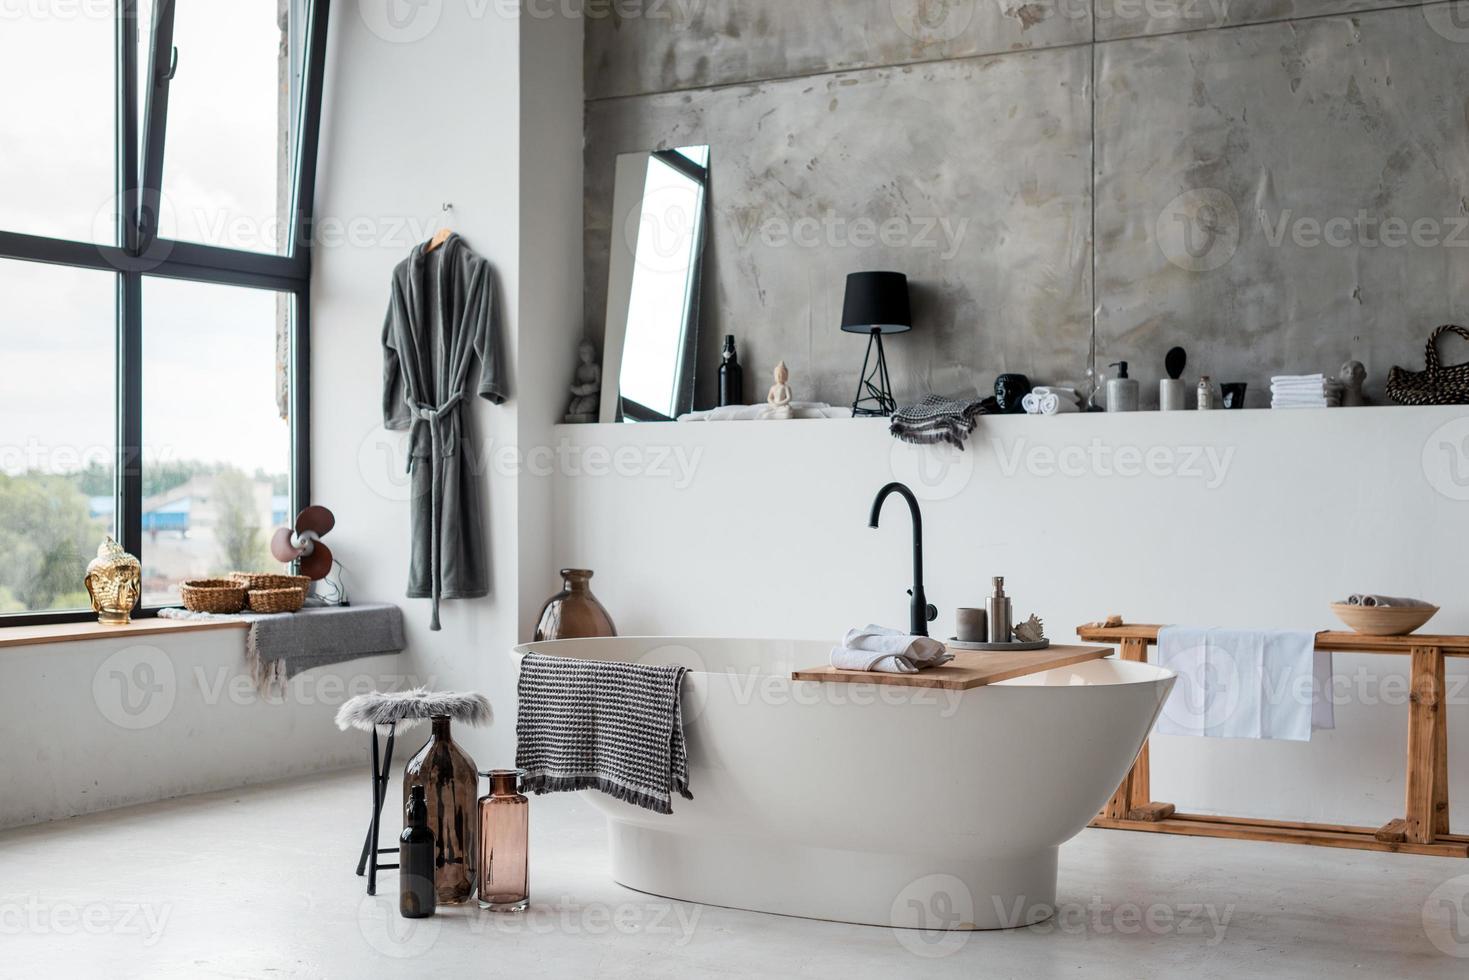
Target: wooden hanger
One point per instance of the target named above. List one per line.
(442, 235)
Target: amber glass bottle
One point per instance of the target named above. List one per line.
(447, 775)
(574, 613)
(504, 837)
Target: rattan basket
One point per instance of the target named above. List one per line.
(271, 580)
(276, 600)
(213, 595)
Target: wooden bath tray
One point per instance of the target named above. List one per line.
(968, 669)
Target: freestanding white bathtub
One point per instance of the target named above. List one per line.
(874, 804)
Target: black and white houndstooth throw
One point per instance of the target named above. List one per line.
(609, 726)
(936, 419)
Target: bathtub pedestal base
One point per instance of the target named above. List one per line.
(908, 891)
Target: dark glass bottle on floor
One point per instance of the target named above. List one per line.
(731, 375)
(451, 783)
(416, 860)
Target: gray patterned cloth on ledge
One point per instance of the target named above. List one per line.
(614, 727)
(279, 646)
(937, 419)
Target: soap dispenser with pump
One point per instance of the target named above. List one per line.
(1121, 390)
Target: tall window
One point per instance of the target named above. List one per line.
(157, 159)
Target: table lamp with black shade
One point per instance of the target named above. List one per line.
(876, 304)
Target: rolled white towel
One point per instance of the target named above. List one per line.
(1372, 600)
(1050, 401)
(888, 651)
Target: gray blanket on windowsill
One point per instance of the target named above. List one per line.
(278, 646)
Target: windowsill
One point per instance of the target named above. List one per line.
(16, 636)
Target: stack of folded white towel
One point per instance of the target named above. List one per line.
(888, 651)
(1304, 391)
(1051, 401)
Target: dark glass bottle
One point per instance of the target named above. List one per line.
(574, 613)
(416, 860)
(448, 775)
(731, 375)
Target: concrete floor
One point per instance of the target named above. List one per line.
(258, 882)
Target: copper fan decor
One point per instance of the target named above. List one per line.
(303, 543)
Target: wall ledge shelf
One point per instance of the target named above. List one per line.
(23, 636)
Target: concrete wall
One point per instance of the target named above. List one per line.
(1227, 518)
(1276, 186)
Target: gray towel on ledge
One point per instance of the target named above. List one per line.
(936, 419)
(609, 726)
(279, 646)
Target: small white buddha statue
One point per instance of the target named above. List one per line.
(778, 402)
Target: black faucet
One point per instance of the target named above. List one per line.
(921, 613)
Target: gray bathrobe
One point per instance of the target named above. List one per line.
(441, 320)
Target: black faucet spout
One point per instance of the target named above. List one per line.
(920, 612)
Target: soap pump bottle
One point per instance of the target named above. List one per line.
(1121, 390)
(416, 895)
(999, 613)
(731, 375)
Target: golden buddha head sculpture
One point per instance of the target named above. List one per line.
(115, 582)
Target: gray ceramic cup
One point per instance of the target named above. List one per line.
(971, 625)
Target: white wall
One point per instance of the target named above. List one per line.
(142, 718)
(482, 108)
(769, 538)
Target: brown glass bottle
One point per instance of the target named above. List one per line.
(416, 898)
(574, 613)
(447, 775)
(504, 835)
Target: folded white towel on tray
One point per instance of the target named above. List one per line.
(888, 651)
(1245, 683)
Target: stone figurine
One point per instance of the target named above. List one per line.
(114, 581)
(778, 402)
(1352, 376)
(586, 386)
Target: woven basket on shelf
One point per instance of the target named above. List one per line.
(213, 595)
(276, 600)
(271, 580)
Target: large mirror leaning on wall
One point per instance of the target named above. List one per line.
(653, 284)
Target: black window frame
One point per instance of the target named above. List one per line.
(141, 255)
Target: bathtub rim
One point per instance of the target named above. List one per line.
(1145, 673)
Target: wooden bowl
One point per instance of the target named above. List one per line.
(1383, 620)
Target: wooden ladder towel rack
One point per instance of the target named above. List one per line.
(1424, 828)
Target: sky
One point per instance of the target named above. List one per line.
(209, 350)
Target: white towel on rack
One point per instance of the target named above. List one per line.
(1245, 683)
(888, 651)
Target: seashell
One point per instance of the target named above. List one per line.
(1030, 631)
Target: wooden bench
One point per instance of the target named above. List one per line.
(1424, 828)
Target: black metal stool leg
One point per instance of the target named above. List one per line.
(370, 849)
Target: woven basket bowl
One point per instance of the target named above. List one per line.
(276, 600)
(1383, 620)
(213, 595)
(271, 580)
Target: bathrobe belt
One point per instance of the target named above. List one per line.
(436, 452)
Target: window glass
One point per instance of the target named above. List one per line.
(57, 132)
(216, 443)
(227, 159)
(57, 431)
